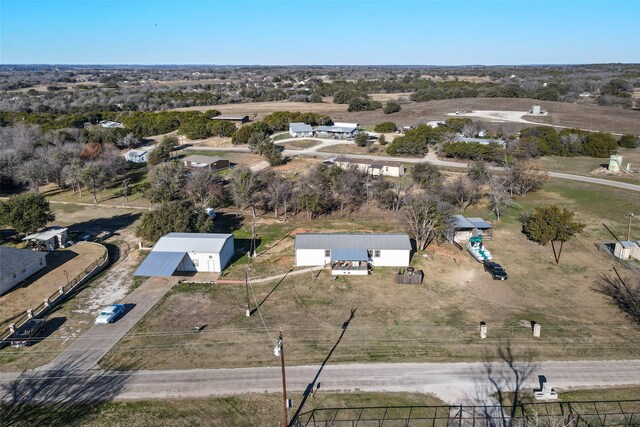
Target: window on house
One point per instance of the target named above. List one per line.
(369, 253)
(195, 262)
(376, 253)
(327, 253)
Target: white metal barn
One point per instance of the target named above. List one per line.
(16, 265)
(188, 252)
(352, 253)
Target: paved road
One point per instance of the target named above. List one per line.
(452, 382)
(431, 158)
(90, 347)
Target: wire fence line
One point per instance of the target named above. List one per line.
(60, 295)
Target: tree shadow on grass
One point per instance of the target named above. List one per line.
(58, 397)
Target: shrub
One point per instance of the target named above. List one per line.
(392, 107)
(385, 127)
(629, 141)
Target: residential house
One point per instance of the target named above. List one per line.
(372, 167)
(352, 253)
(136, 156)
(18, 265)
(214, 163)
(300, 130)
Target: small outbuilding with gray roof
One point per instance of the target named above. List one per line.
(188, 252)
(465, 228)
(352, 253)
(300, 129)
(17, 265)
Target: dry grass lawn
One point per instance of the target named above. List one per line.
(433, 322)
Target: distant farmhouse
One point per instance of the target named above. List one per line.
(352, 253)
(300, 130)
(188, 252)
(136, 156)
(18, 265)
(372, 167)
(236, 120)
(339, 130)
(206, 162)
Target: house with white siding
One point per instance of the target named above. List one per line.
(17, 265)
(372, 167)
(188, 252)
(352, 253)
(300, 130)
(136, 156)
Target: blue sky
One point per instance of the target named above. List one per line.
(272, 32)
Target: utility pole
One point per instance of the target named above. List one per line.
(246, 285)
(279, 351)
(629, 229)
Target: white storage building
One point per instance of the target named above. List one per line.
(188, 252)
(352, 253)
(17, 265)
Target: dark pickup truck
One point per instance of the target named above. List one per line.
(27, 333)
(496, 270)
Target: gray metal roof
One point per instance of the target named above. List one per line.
(352, 241)
(627, 244)
(349, 255)
(480, 223)
(300, 127)
(191, 242)
(335, 129)
(460, 222)
(46, 234)
(233, 118)
(13, 260)
(481, 141)
(160, 264)
(199, 158)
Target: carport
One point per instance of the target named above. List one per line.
(160, 264)
(349, 261)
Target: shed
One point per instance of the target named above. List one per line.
(18, 265)
(626, 249)
(352, 253)
(465, 228)
(201, 162)
(48, 239)
(237, 120)
(300, 129)
(188, 252)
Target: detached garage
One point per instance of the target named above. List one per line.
(352, 253)
(188, 252)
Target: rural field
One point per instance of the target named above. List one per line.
(373, 319)
(593, 117)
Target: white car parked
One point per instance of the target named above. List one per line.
(110, 314)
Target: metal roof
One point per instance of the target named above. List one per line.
(627, 244)
(481, 141)
(46, 234)
(160, 264)
(337, 129)
(300, 127)
(191, 242)
(365, 241)
(234, 118)
(480, 223)
(199, 158)
(349, 255)
(13, 260)
(136, 152)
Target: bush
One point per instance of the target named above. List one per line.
(463, 150)
(385, 127)
(178, 216)
(242, 135)
(403, 145)
(629, 141)
(392, 107)
(361, 139)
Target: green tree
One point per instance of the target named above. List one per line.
(427, 176)
(361, 139)
(382, 140)
(165, 182)
(391, 107)
(551, 224)
(629, 141)
(162, 152)
(177, 216)
(26, 212)
(385, 127)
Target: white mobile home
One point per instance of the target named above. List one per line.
(352, 253)
(300, 130)
(188, 252)
(18, 265)
(375, 168)
(136, 156)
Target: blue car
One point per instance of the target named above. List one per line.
(110, 314)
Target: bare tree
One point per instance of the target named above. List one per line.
(479, 172)
(204, 188)
(245, 188)
(427, 218)
(72, 174)
(498, 195)
(94, 176)
(523, 177)
(165, 182)
(32, 172)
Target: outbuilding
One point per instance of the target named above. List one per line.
(236, 120)
(48, 239)
(300, 130)
(626, 249)
(188, 253)
(336, 132)
(466, 228)
(352, 253)
(18, 265)
(136, 156)
(206, 162)
(375, 168)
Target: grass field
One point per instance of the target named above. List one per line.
(596, 117)
(434, 322)
(299, 144)
(376, 150)
(243, 410)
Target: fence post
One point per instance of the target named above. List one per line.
(61, 290)
(30, 313)
(47, 303)
(12, 328)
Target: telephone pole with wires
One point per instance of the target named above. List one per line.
(246, 286)
(279, 351)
